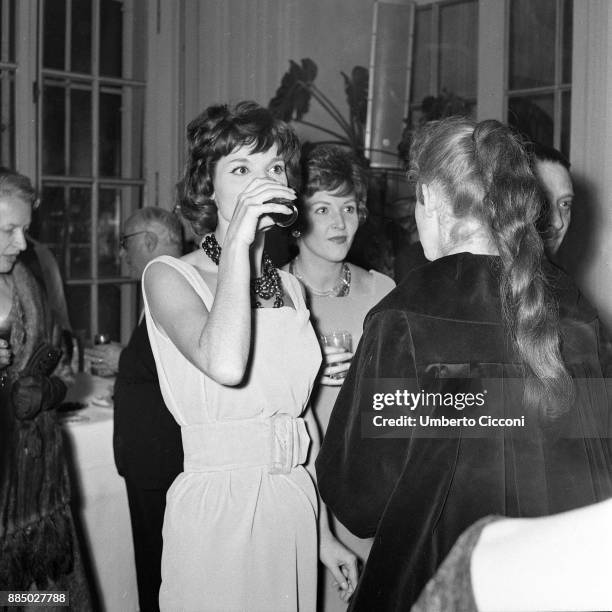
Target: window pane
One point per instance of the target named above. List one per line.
(115, 204)
(79, 231)
(80, 51)
(138, 34)
(566, 110)
(532, 43)
(421, 56)
(533, 117)
(50, 224)
(121, 132)
(111, 38)
(110, 134)
(79, 310)
(459, 48)
(7, 31)
(133, 132)
(54, 143)
(54, 34)
(566, 49)
(109, 227)
(109, 310)
(80, 132)
(7, 118)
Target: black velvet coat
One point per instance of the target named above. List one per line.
(416, 495)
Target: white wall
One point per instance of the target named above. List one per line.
(587, 252)
(239, 49)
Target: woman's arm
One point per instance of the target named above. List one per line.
(215, 342)
(218, 342)
(338, 559)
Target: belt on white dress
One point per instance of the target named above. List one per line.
(279, 443)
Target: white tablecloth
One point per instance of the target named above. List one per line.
(101, 495)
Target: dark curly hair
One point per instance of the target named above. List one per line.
(215, 133)
(331, 168)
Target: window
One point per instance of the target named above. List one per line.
(8, 66)
(91, 124)
(444, 60)
(539, 70)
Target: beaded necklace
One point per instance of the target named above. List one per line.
(340, 289)
(265, 286)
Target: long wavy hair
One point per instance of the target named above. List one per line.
(214, 134)
(484, 171)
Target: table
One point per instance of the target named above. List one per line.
(100, 493)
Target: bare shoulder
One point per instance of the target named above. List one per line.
(162, 276)
(370, 281)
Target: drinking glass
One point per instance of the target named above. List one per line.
(5, 334)
(96, 369)
(338, 339)
(281, 219)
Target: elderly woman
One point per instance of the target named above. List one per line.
(237, 358)
(38, 547)
(487, 317)
(339, 294)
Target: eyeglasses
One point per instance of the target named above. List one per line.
(124, 238)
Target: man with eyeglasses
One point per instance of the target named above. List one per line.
(146, 440)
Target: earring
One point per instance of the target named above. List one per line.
(296, 233)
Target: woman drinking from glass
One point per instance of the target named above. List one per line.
(237, 358)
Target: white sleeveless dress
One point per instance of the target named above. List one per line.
(240, 525)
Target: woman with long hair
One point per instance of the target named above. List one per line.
(237, 358)
(491, 352)
(339, 294)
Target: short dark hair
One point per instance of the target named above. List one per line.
(214, 134)
(334, 169)
(541, 152)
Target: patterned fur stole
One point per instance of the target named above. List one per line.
(36, 541)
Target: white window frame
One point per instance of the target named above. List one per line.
(96, 84)
(558, 88)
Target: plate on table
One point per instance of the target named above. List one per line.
(103, 401)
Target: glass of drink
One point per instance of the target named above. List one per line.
(282, 219)
(338, 339)
(97, 369)
(102, 338)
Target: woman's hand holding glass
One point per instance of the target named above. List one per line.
(6, 354)
(337, 363)
(253, 207)
(337, 352)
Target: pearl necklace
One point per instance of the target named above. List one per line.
(265, 286)
(340, 289)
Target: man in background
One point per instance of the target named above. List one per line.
(146, 439)
(551, 168)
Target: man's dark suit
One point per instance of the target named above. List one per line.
(148, 454)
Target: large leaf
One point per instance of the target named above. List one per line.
(356, 88)
(292, 98)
